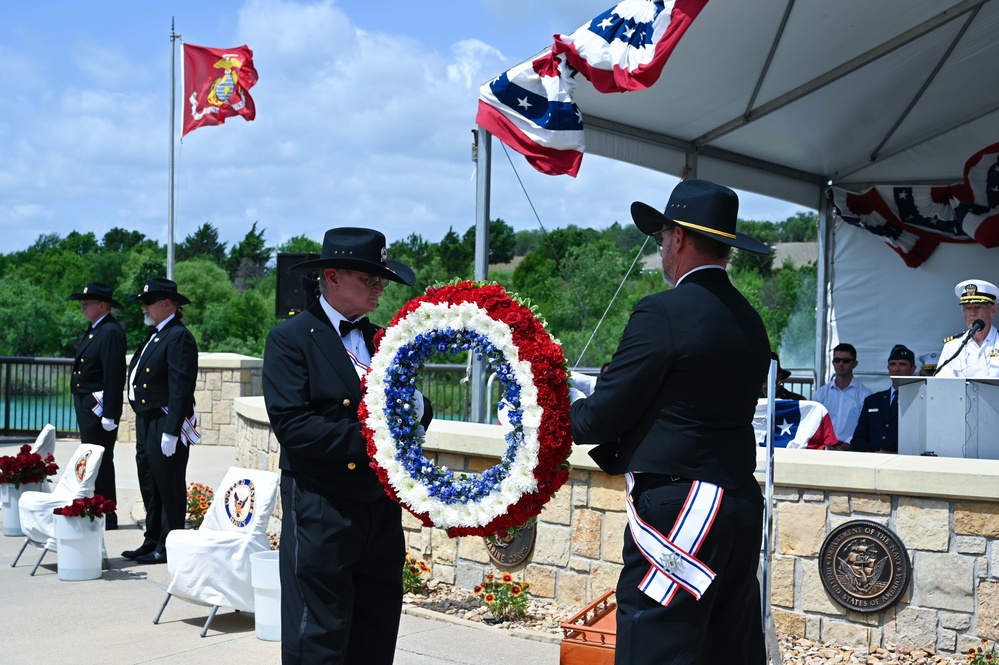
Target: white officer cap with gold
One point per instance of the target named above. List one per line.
(976, 291)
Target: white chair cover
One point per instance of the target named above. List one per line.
(45, 445)
(45, 442)
(211, 565)
(77, 482)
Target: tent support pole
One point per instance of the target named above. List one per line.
(482, 155)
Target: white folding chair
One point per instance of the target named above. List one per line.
(45, 445)
(211, 565)
(77, 482)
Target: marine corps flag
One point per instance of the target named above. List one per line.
(216, 85)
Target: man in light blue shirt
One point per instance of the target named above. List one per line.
(844, 396)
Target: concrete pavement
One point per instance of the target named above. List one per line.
(109, 621)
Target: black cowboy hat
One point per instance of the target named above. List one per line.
(358, 249)
(782, 374)
(157, 289)
(702, 207)
(97, 291)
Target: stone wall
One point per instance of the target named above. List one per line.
(222, 377)
(945, 511)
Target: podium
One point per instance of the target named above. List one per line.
(951, 417)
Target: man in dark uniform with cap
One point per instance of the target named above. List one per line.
(99, 383)
(342, 546)
(877, 429)
(688, 590)
(161, 381)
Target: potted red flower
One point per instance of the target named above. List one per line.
(25, 471)
(78, 539)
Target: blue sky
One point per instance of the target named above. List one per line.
(364, 112)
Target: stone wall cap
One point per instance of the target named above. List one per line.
(228, 361)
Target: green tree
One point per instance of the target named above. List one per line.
(760, 263)
(203, 243)
(120, 240)
(238, 325)
(299, 245)
(248, 259)
(501, 241)
(204, 283)
(800, 227)
(454, 256)
(28, 327)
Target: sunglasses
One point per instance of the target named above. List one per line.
(839, 361)
(658, 236)
(371, 281)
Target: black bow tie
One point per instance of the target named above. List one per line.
(362, 324)
(366, 327)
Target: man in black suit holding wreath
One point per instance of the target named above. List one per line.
(674, 411)
(342, 546)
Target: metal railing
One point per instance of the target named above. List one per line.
(35, 392)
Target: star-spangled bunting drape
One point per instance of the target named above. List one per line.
(797, 424)
(216, 85)
(530, 107)
(913, 220)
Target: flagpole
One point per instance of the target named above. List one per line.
(173, 91)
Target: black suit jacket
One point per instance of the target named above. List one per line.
(877, 428)
(99, 364)
(680, 393)
(312, 391)
(166, 376)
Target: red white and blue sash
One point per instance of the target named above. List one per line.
(359, 367)
(189, 433)
(673, 558)
(98, 408)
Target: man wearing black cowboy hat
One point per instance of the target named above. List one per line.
(685, 441)
(342, 546)
(161, 381)
(99, 381)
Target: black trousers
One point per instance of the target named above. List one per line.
(92, 432)
(725, 625)
(341, 577)
(162, 480)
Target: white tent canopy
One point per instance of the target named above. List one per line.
(784, 98)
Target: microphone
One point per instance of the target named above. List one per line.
(976, 327)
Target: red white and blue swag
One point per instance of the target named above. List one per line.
(98, 407)
(672, 559)
(913, 220)
(189, 434)
(625, 48)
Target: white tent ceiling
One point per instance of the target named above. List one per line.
(782, 98)
(779, 98)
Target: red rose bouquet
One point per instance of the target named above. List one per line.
(92, 507)
(26, 467)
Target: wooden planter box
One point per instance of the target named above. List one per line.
(588, 638)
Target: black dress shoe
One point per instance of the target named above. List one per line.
(135, 554)
(152, 557)
(110, 521)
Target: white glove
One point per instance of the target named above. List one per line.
(584, 383)
(168, 444)
(575, 394)
(108, 424)
(418, 398)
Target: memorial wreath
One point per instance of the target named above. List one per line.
(484, 320)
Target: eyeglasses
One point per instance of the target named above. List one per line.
(87, 303)
(658, 235)
(842, 360)
(372, 281)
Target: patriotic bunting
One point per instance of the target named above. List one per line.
(797, 424)
(914, 220)
(627, 46)
(530, 107)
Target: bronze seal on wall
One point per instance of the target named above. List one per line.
(864, 566)
(510, 552)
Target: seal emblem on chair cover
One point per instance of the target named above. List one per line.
(81, 466)
(239, 502)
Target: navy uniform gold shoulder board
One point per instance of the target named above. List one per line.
(953, 337)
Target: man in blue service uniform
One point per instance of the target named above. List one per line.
(342, 546)
(877, 429)
(674, 412)
(161, 381)
(98, 385)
